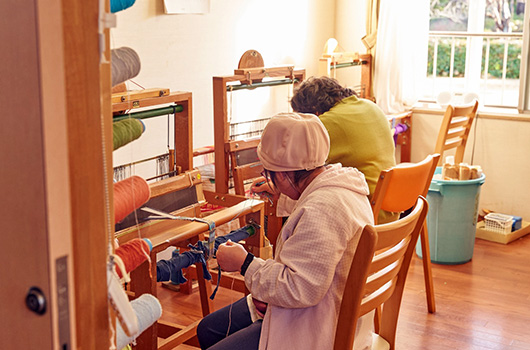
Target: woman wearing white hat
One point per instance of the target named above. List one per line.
(295, 297)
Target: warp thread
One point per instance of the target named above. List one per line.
(148, 310)
(129, 195)
(125, 65)
(126, 131)
(133, 254)
(119, 5)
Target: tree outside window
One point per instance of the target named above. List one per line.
(475, 47)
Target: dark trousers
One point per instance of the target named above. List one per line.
(213, 332)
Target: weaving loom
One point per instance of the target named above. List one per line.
(333, 59)
(330, 62)
(179, 158)
(235, 150)
(166, 233)
(181, 196)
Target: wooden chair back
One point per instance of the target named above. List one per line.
(378, 279)
(454, 131)
(245, 172)
(398, 188)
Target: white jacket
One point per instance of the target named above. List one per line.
(303, 285)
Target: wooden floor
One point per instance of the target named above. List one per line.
(483, 304)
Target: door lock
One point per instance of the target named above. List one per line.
(36, 301)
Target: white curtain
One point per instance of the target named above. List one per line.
(401, 53)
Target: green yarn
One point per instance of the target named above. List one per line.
(126, 131)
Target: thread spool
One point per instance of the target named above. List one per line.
(126, 131)
(125, 65)
(148, 310)
(235, 236)
(129, 195)
(119, 5)
(171, 270)
(133, 254)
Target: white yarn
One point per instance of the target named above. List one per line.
(148, 310)
(125, 65)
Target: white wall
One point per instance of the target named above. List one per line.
(350, 27)
(184, 52)
(501, 148)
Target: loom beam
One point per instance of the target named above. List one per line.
(156, 112)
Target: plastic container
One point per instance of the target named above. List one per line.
(452, 219)
(500, 223)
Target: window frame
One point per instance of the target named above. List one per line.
(471, 34)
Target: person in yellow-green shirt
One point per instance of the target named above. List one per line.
(359, 131)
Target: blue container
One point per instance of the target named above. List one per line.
(452, 219)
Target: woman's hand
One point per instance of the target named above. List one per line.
(261, 185)
(265, 189)
(261, 307)
(230, 256)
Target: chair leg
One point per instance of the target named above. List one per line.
(427, 272)
(377, 319)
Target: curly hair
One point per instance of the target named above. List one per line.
(318, 95)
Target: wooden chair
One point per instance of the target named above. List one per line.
(397, 191)
(274, 223)
(376, 280)
(455, 129)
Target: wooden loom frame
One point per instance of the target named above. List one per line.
(182, 155)
(165, 233)
(331, 62)
(226, 149)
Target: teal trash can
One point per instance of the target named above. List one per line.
(452, 219)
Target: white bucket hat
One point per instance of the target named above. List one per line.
(293, 141)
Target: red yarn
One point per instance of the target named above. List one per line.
(133, 254)
(129, 195)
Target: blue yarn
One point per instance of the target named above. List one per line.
(118, 5)
(143, 125)
(171, 270)
(149, 243)
(235, 236)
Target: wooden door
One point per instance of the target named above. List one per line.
(36, 274)
(52, 201)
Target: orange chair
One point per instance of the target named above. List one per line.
(455, 129)
(397, 191)
(376, 281)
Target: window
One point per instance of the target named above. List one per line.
(475, 47)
